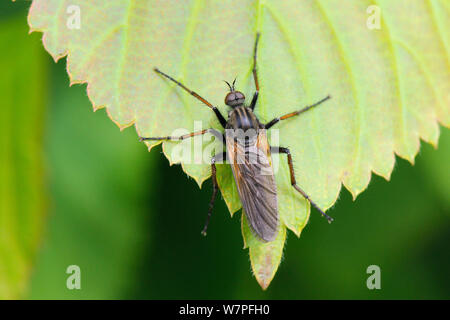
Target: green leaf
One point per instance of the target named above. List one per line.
(22, 193)
(390, 86)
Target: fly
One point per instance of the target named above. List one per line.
(249, 154)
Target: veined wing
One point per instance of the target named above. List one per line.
(253, 173)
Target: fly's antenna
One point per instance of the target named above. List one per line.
(234, 81)
(229, 85)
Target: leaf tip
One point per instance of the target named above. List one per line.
(243, 233)
(263, 284)
(266, 272)
(199, 180)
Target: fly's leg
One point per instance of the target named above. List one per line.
(294, 182)
(217, 158)
(255, 76)
(295, 113)
(214, 132)
(255, 51)
(219, 116)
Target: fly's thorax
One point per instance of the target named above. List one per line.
(242, 118)
(243, 126)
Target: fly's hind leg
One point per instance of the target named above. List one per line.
(219, 158)
(294, 182)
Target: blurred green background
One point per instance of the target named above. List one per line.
(76, 190)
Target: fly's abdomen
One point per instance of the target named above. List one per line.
(255, 181)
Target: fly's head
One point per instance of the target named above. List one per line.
(234, 98)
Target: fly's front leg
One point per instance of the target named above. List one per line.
(255, 75)
(294, 182)
(214, 132)
(219, 116)
(217, 158)
(295, 113)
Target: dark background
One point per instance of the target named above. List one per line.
(132, 223)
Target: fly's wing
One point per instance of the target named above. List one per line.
(253, 173)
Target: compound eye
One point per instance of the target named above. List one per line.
(239, 96)
(234, 98)
(229, 98)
